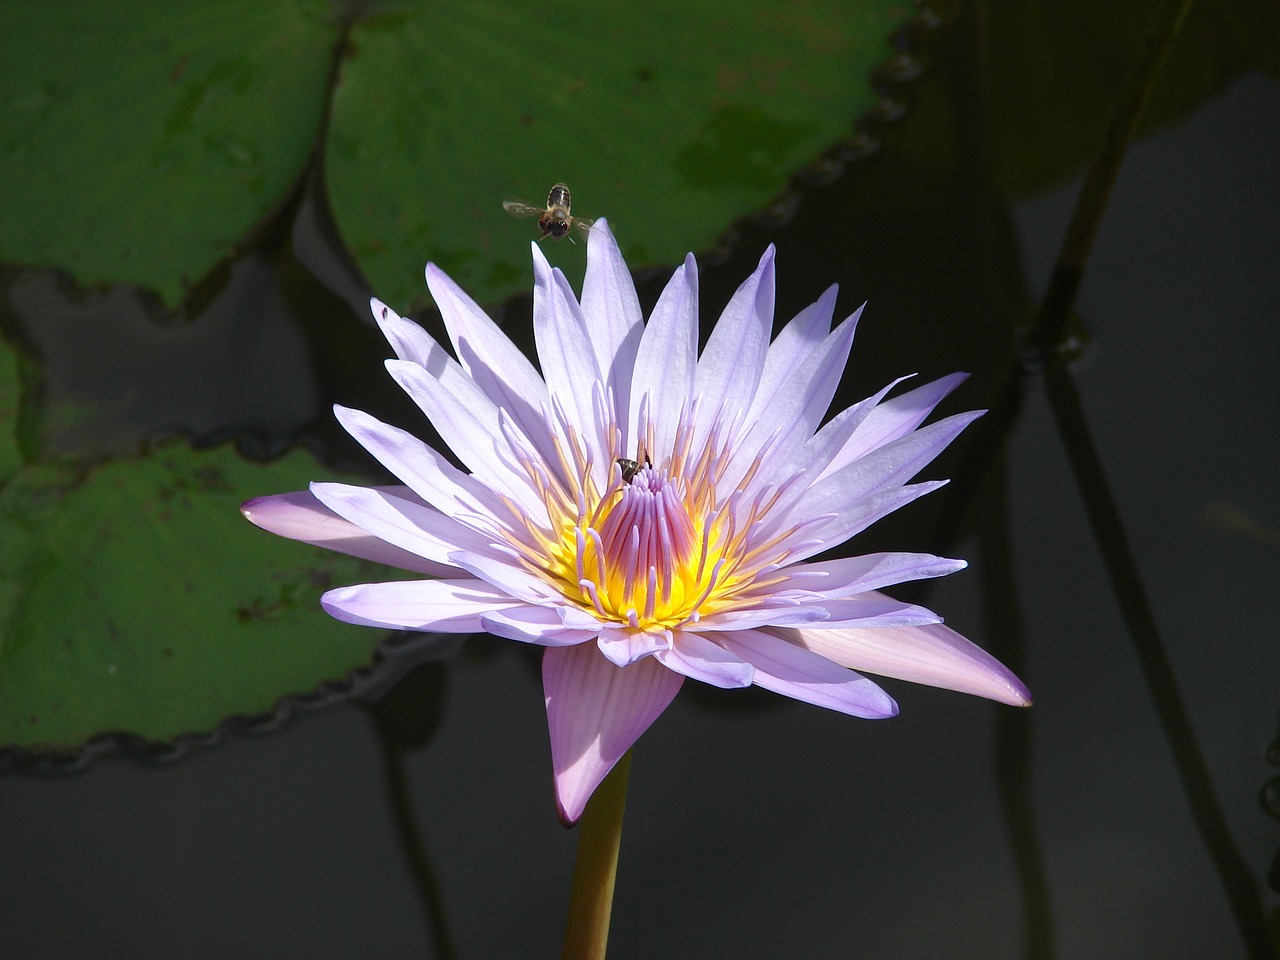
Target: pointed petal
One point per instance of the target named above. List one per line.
(433, 478)
(794, 671)
(849, 576)
(468, 423)
(792, 346)
(856, 518)
(895, 418)
(446, 606)
(300, 516)
(698, 658)
(564, 345)
(779, 615)
(732, 361)
(405, 523)
(609, 300)
(407, 339)
(666, 360)
(595, 712)
(934, 654)
(497, 365)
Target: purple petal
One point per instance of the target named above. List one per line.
(497, 365)
(624, 647)
(563, 343)
(778, 615)
(666, 359)
(447, 606)
(792, 346)
(533, 624)
(729, 369)
(896, 418)
(595, 712)
(300, 516)
(850, 576)
(874, 609)
(404, 523)
(856, 518)
(934, 654)
(793, 671)
(467, 421)
(407, 339)
(609, 299)
(698, 658)
(428, 474)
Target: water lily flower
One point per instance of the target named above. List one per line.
(644, 513)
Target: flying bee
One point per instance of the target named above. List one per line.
(554, 220)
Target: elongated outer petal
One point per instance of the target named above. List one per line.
(300, 516)
(447, 606)
(497, 365)
(617, 323)
(794, 671)
(595, 712)
(731, 364)
(932, 654)
(666, 360)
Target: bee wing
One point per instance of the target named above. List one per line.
(517, 209)
(584, 224)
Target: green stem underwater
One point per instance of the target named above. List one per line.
(586, 934)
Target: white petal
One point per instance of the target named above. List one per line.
(853, 575)
(468, 422)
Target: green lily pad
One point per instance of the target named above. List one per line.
(134, 598)
(670, 118)
(143, 140)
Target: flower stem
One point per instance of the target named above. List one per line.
(586, 932)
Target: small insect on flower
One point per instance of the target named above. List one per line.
(555, 219)
(630, 468)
